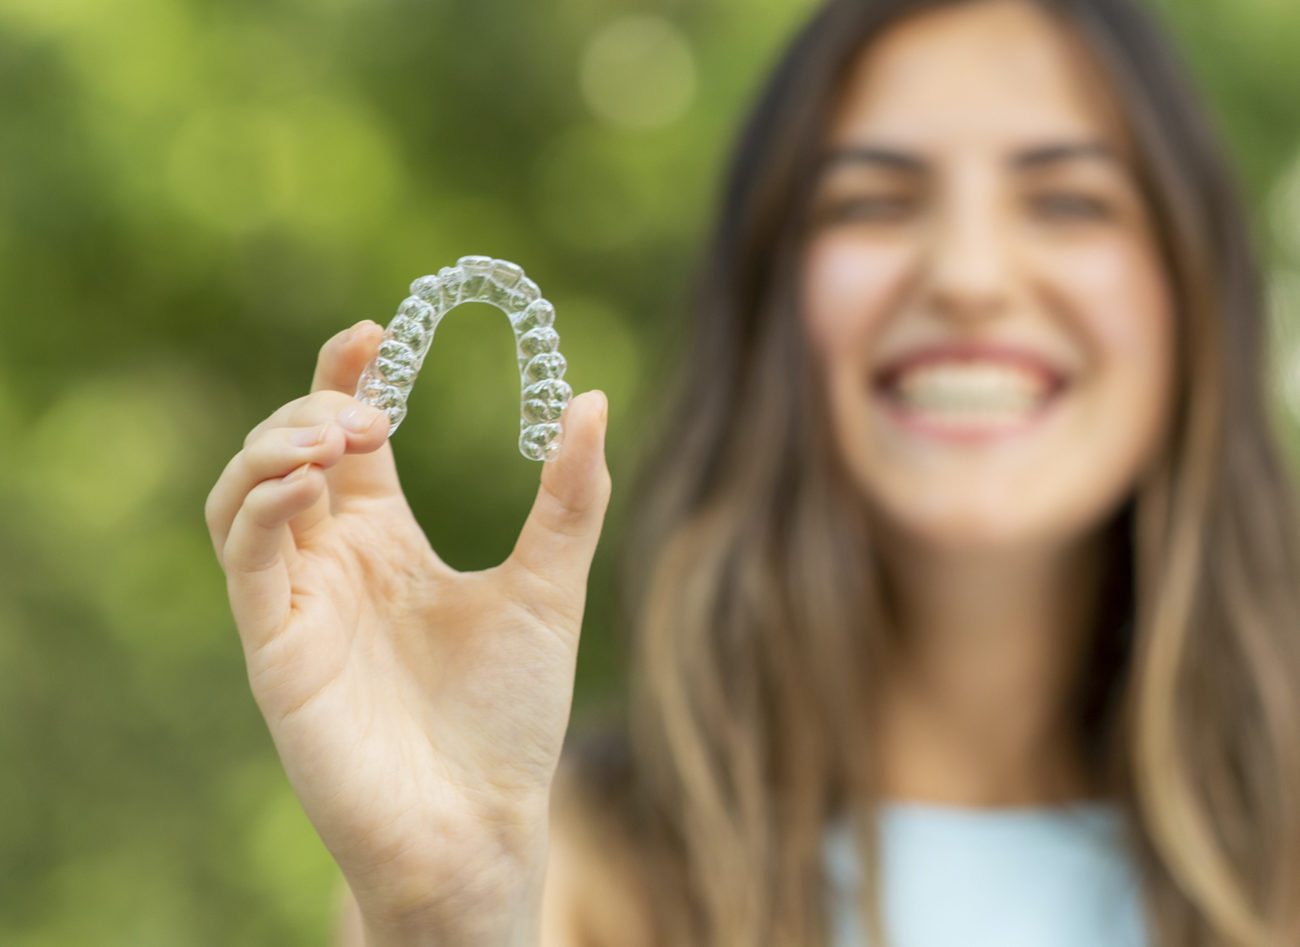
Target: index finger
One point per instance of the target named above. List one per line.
(370, 472)
(340, 362)
(368, 468)
(333, 362)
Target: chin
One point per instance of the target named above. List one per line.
(956, 519)
(973, 533)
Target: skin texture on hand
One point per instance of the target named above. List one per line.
(418, 711)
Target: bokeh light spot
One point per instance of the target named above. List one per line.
(638, 72)
(1284, 313)
(1284, 208)
(345, 170)
(232, 168)
(100, 453)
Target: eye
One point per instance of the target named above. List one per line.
(879, 208)
(1069, 206)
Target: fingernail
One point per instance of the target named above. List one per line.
(358, 420)
(297, 474)
(603, 413)
(351, 335)
(307, 437)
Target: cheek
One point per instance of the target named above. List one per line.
(1118, 295)
(1118, 291)
(848, 285)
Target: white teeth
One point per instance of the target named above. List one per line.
(984, 391)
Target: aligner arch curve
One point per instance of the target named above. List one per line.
(543, 393)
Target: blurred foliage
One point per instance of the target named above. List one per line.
(193, 197)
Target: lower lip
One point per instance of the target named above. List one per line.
(967, 432)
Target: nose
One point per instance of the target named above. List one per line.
(969, 273)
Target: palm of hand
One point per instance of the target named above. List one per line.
(418, 711)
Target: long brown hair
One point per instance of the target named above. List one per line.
(760, 617)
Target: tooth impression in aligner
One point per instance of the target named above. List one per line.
(387, 381)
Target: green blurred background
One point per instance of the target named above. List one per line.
(194, 195)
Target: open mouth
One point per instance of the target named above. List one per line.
(968, 400)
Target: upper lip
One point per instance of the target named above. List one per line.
(1004, 352)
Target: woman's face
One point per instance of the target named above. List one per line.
(982, 285)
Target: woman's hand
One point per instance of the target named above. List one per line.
(418, 711)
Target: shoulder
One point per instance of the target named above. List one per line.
(596, 895)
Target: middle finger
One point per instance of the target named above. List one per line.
(270, 456)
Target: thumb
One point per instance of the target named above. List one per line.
(559, 537)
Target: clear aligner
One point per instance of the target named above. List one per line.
(386, 382)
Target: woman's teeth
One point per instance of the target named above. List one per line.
(970, 393)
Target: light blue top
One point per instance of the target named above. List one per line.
(1049, 876)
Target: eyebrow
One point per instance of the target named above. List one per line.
(1059, 153)
(872, 155)
(895, 159)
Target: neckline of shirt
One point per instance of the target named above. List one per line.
(903, 806)
(1097, 812)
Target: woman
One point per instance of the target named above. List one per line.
(969, 516)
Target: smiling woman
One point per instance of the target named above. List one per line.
(970, 511)
(983, 249)
(967, 577)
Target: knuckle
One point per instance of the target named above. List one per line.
(258, 507)
(215, 503)
(256, 433)
(330, 400)
(287, 410)
(563, 507)
(210, 510)
(324, 405)
(246, 459)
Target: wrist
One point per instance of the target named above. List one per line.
(496, 903)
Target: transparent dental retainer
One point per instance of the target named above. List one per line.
(387, 381)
